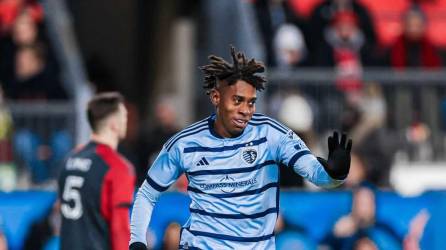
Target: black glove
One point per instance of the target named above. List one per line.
(338, 163)
(137, 246)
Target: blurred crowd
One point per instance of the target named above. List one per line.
(29, 73)
(342, 34)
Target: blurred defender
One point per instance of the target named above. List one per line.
(231, 160)
(96, 184)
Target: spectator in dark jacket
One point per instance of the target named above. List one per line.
(324, 13)
(344, 47)
(413, 48)
(33, 79)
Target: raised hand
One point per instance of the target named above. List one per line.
(338, 156)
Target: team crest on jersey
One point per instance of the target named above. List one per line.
(249, 155)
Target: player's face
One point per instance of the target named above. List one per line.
(121, 121)
(235, 107)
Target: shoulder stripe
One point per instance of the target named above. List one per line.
(155, 185)
(235, 216)
(187, 129)
(233, 170)
(230, 237)
(192, 132)
(271, 120)
(297, 157)
(268, 123)
(230, 195)
(225, 148)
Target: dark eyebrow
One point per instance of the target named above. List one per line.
(244, 98)
(238, 97)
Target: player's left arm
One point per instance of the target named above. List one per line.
(119, 189)
(292, 152)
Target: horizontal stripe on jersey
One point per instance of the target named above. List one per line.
(225, 148)
(230, 237)
(232, 170)
(235, 216)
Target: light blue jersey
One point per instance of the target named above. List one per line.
(233, 183)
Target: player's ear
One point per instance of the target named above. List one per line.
(214, 95)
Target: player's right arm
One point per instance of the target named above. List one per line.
(163, 172)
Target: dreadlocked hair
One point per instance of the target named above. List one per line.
(240, 69)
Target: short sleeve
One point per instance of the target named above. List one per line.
(165, 170)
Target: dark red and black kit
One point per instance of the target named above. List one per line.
(96, 188)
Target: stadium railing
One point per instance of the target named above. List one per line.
(410, 95)
(43, 133)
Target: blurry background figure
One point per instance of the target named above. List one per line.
(24, 31)
(364, 118)
(413, 48)
(324, 13)
(41, 156)
(356, 230)
(418, 136)
(344, 47)
(272, 16)
(372, 106)
(154, 133)
(33, 78)
(289, 47)
(28, 41)
(7, 167)
(171, 239)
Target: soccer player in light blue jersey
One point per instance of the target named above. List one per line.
(231, 160)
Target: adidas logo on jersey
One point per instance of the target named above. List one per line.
(202, 162)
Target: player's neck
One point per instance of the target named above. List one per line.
(106, 138)
(220, 130)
